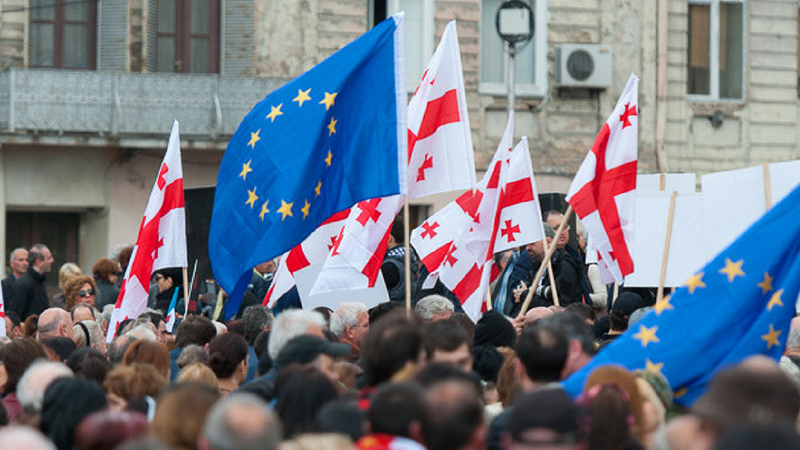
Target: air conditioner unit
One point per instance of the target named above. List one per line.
(583, 65)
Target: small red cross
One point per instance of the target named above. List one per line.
(161, 181)
(369, 210)
(510, 230)
(426, 164)
(430, 230)
(160, 244)
(336, 241)
(624, 117)
(450, 258)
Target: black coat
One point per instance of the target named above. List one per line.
(28, 295)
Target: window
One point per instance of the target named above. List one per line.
(420, 30)
(63, 33)
(716, 49)
(530, 63)
(187, 36)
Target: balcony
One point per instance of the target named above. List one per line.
(104, 107)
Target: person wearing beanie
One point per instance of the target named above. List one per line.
(624, 306)
(494, 330)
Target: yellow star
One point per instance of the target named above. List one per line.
(732, 269)
(254, 137)
(772, 337)
(251, 199)
(775, 300)
(264, 210)
(301, 97)
(306, 209)
(646, 335)
(766, 285)
(285, 209)
(650, 366)
(663, 305)
(328, 100)
(329, 158)
(246, 169)
(318, 189)
(274, 112)
(696, 281)
(332, 126)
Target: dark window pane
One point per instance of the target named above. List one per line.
(42, 45)
(166, 54)
(76, 11)
(199, 18)
(731, 32)
(699, 26)
(200, 55)
(166, 16)
(76, 43)
(42, 9)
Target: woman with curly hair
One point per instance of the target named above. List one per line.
(80, 289)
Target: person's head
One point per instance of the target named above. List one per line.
(290, 324)
(88, 333)
(537, 249)
(118, 347)
(60, 348)
(313, 351)
(148, 352)
(40, 258)
(23, 437)
(67, 272)
(626, 303)
(240, 422)
(13, 325)
(343, 417)
(541, 352)
(266, 267)
(167, 278)
(123, 257)
(393, 349)
(256, 319)
(350, 323)
(495, 330)
(192, 354)
(89, 363)
(132, 382)
(34, 382)
(554, 219)
(227, 356)
(546, 419)
(582, 310)
(447, 342)
(300, 392)
(196, 330)
(198, 373)
(54, 322)
(66, 402)
(16, 357)
(81, 312)
(434, 307)
(106, 269)
(80, 290)
(581, 340)
(109, 429)
(397, 409)
(18, 261)
(453, 417)
(614, 403)
(189, 401)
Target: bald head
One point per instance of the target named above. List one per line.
(54, 322)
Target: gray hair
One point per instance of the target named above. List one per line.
(262, 430)
(638, 315)
(290, 324)
(11, 255)
(117, 348)
(346, 315)
(793, 342)
(105, 316)
(191, 354)
(18, 436)
(255, 319)
(432, 305)
(35, 380)
(143, 331)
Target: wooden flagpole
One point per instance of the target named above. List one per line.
(614, 294)
(407, 256)
(667, 239)
(185, 291)
(489, 299)
(549, 253)
(767, 187)
(552, 283)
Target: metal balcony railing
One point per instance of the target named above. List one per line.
(126, 104)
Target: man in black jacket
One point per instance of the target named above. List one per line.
(29, 294)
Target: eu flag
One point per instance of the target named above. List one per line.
(738, 305)
(328, 139)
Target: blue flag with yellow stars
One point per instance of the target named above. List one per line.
(328, 139)
(738, 305)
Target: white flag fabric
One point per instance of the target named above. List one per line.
(162, 237)
(603, 193)
(441, 156)
(2, 314)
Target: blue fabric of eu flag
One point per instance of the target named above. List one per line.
(328, 139)
(738, 305)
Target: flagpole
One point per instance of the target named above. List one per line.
(552, 283)
(489, 299)
(614, 294)
(550, 249)
(767, 188)
(185, 291)
(667, 239)
(407, 258)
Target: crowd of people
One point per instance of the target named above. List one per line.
(353, 377)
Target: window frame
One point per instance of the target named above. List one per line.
(714, 52)
(183, 36)
(539, 87)
(59, 23)
(427, 38)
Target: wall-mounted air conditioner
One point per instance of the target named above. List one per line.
(583, 65)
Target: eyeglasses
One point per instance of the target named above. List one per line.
(85, 293)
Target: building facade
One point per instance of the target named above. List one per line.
(89, 89)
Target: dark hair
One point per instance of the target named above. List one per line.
(14, 318)
(397, 229)
(488, 362)
(235, 326)
(465, 322)
(176, 273)
(390, 343)
(196, 330)
(66, 402)
(88, 363)
(36, 253)
(103, 268)
(609, 412)
(439, 372)
(326, 313)
(301, 392)
(574, 327)
(225, 353)
(343, 417)
(108, 430)
(581, 310)
(750, 436)
(191, 402)
(395, 407)
(61, 346)
(124, 256)
(261, 343)
(264, 363)
(17, 356)
(155, 317)
(378, 311)
(444, 335)
(255, 318)
(118, 347)
(453, 411)
(121, 326)
(542, 350)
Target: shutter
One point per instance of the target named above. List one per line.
(237, 33)
(152, 27)
(112, 21)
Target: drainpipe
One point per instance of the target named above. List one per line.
(661, 88)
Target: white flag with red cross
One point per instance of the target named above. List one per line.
(440, 154)
(2, 313)
(603, 193)
(162, 237)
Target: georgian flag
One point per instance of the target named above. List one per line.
(162, 237)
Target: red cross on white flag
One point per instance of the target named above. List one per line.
(162, 237)
(603, 193)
